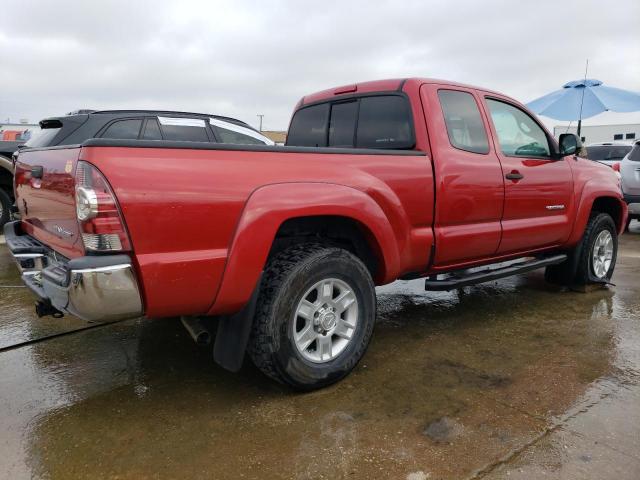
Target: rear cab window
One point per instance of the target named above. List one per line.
(381, 121)
(309, 127)
(342, 124)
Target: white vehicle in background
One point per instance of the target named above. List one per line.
(608, 153)
(630, 173)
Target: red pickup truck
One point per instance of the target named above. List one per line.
(384, 180)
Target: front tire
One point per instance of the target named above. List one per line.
(315, 316)
(593, 260)
(599, 251)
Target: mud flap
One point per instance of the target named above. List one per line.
(233, 333)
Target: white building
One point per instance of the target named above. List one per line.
(629, 132)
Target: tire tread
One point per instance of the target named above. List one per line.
(278, 269)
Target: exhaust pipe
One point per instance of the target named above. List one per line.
(197, 330)
(44, 309)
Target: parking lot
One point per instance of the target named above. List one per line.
(510, 379)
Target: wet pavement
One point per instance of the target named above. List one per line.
(511, 379)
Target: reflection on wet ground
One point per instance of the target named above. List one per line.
(512, 379)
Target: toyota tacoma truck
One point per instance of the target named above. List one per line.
(283, 246)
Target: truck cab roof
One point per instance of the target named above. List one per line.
(386, 85)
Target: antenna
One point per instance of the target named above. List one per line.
(586, 68)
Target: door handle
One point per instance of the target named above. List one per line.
(514, 175)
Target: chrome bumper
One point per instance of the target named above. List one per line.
(94, 288)
(634, 209)
(633, 202)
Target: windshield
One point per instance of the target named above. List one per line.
(634, 156)
(607, 152)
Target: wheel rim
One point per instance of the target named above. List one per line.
(325, 320)
(602, 254)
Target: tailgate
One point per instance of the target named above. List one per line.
(47, 201)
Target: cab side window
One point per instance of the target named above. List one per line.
(464, 123)
(123, 129)
(518, 134)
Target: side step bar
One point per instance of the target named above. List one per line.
(464, 278)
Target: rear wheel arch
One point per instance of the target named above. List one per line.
(274, 212)
(344, 232)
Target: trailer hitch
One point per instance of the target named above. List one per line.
(45, 309)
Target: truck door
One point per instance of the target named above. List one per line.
(468, 178)
(538, 202)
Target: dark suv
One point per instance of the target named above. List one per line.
(144, 125)
(76, 127)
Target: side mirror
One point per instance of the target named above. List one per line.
(570, 144)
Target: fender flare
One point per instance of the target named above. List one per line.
(270, 206)
(590, 193)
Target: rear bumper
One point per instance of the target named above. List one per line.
(94, 288)
(633, 201)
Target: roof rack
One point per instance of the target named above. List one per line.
(172, 112)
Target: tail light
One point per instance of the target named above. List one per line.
(616, 166)
(100, 221)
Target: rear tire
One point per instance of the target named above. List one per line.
(5, 208)
(315, 316)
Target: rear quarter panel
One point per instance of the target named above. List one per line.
(182, 208)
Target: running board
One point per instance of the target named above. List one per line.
(464, 278)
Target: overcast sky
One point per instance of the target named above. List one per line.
(243, 58)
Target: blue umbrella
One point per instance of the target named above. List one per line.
(583, 99)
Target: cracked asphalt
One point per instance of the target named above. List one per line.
(511, 379)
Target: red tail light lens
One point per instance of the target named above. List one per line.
(616, 166)
(100, 221)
